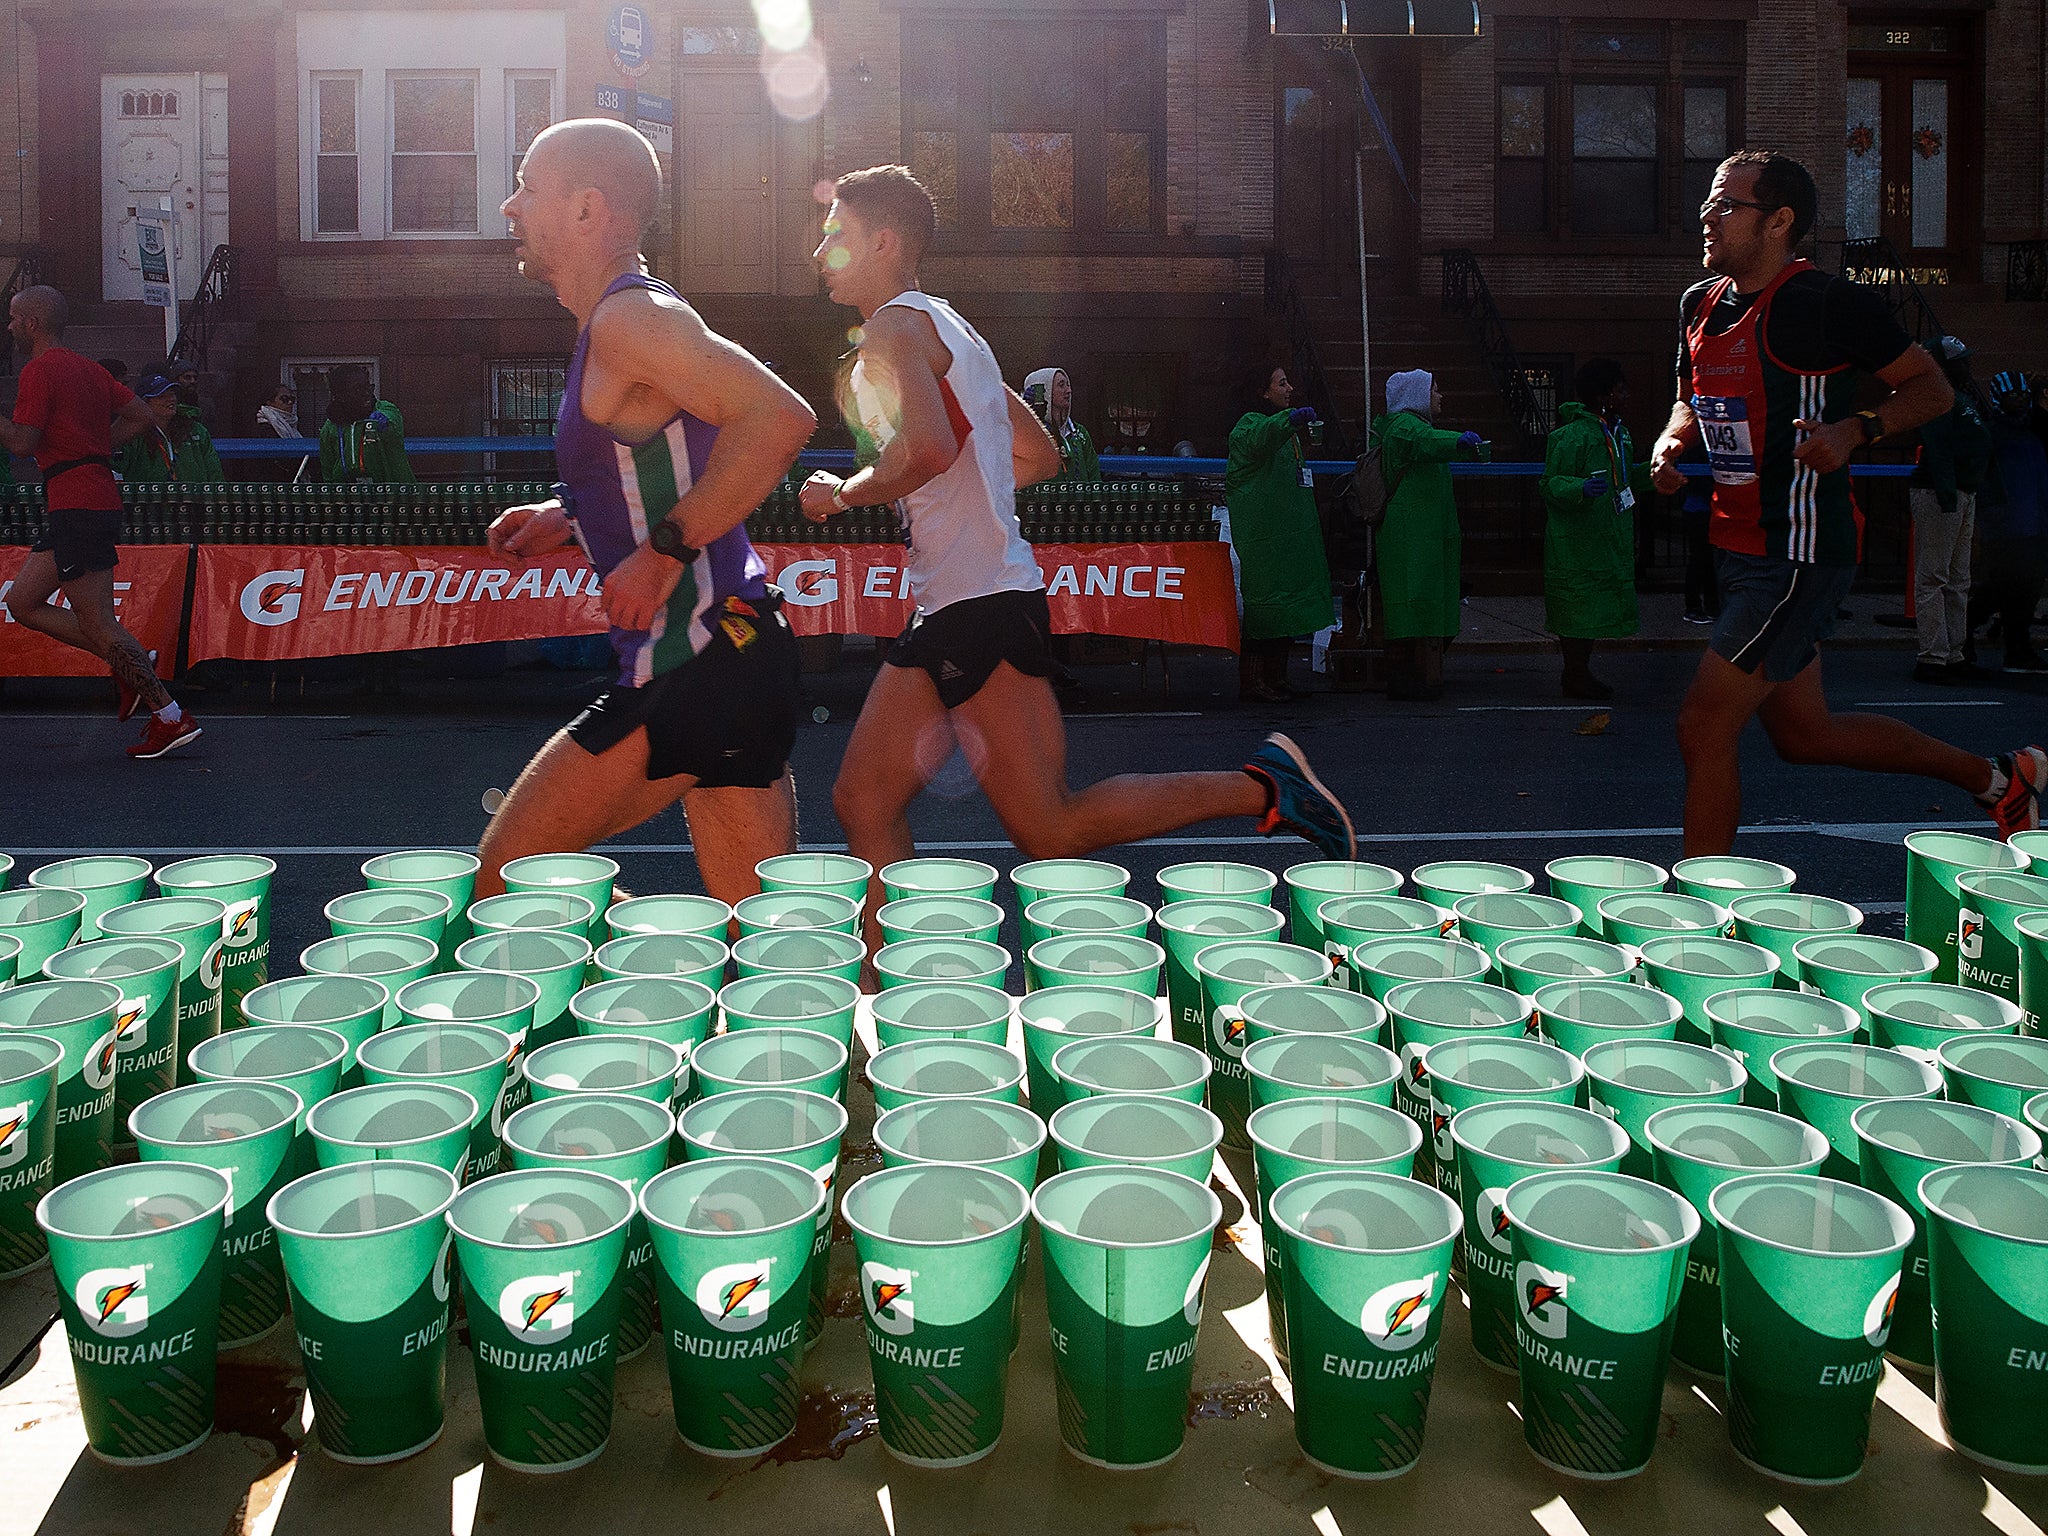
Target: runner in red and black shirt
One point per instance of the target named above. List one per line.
(1773, 355)
(70, 414)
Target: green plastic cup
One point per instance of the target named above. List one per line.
(589, 875)
(1497, 1145)
(1427, 1013)
(609, 1133)
(1126, 1259)
(351, 1006)
(394, 1122)
(1294, 1010)
(305, 1058)
(1934, 860)
(840, 873)
(1823, 1082)
(663, 1007)
(501, 1000)
(1349, 921)
(393, 959)
(1189, 925)
(1311, 885)
(1778, 921)
(1577, 1015)
(732, 1245)
(635, 1065)
(1696, 1148)
(1753, 1026)
(44, 921)
(1042, 879)
(6, 869)
(1988, 905)
(29, 1068)
(689, 956)
(984, 1133)
(1227, 972)
(801, 1129)
(394, 909)
(1693, 967)
(1442, 884)
(543, 1253)
(514, 910)
(1722, 878)
(1809, 1279)
(773, 911)
(1918, 1016)
(1462, 1073)
(1846, 966)
(1528, 964)
(1599, 1262)
(1319, 1066)
(1300, 1136)
(105, 880)
(194, 923)
(1217, 879)
(705, 917)
(1095, 959)
(2032, 844)
(1049, 1018)
(2032, 928)
(1635, 917)
(769, 1057)
(250, 1132)
(1052, 916)
(1900, 1142)
(81, 1017)
(555, 960)
(369, 1261)
(1987, 1234)
(1131, 1064)
(10, 952)
(241, 883)
(451, 873)
(1492, 918)
(146, 1024)
(1367, 1273)
(1630, 1080)
(800, 951)
(944, 1069)
(938, 1246)
(919, 917)
(824, 1005)
(136, 1252)
(938, 877)
(1132, 1130)
(944, 1010)
(473, 1057)
(2000, 1072)
(941, 960)
(1380, 965)
(1585, 879)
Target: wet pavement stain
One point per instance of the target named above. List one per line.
(1291, 1480)
(856, 1162)
(828, 1425)
(260, 1399)
(1230, 1400)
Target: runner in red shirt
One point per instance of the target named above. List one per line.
(71, 414)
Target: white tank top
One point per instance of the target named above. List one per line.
(964, 538)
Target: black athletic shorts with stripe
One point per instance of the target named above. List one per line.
(1776, 612)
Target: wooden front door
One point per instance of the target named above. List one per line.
(1325, 141)
(727, 162)
(1912, 147)
(162, 136)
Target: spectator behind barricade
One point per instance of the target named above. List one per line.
(1283, 570)
(176, 447)
(1954, 451)
(187, 378)
(1589, 499)
(1420, 544)
(279, 416)
(1050, 394)
(2012, 521)
(362, 441)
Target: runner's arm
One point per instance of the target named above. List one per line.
(1033, 453)
(132, 420)
(896, 362)
(1920, 392)
(17, 438)
(1679, 434)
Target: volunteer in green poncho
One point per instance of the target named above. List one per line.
(175, 448)
(363, 438)
(1589, 495)
(1283, 572)
(1050, 393)
(1420, 544)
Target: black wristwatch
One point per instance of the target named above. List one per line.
(665, 538)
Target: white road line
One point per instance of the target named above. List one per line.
(1933, 704)
(1589, 708)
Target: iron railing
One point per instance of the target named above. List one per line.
(1283, 298)
(1876, 263)
(1466, 294)
(218, 286)
(2026, 270)
(28, 271)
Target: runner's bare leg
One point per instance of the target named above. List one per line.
(1805, 730)
(900, 741)
(733, 830)
(87, 625)
(569, 798)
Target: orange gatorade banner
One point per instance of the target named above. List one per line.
(149, 596)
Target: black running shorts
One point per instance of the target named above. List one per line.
(961, 644)
(81, 541)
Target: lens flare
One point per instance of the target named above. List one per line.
(797, 80)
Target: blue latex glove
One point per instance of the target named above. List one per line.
(1302, 415)
(1594, 488)
(1469, 439)
(377, 421)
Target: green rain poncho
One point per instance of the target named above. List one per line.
(1420, 544)
(1273, 527)
(1589, 543)
(363, 452)
(151, 458)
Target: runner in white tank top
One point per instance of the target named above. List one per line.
(971, 667)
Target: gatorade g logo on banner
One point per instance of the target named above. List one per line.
(1877, 1317)
(885, 1292)
(129, 1018)
(444, 1265)
(272, 598)
(1491, 1217)
(735, 1297)
(238, 928)
(113, 1302)
(99, 1061)
(539, 1307)
(14, 1120)
(1191, 1304)
(210, 964)
(1969, 934)
(1539, 1293)
(1226, 1028)
(1396, 1316)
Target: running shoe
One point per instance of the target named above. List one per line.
(2019, 808)
(1299, 801)
(126, 699)
(159, 737)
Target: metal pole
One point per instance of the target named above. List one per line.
(171, 270)
(1364, 301)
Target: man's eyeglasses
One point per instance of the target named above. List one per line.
(1721, 207)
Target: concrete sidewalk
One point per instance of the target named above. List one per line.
(1515, 624)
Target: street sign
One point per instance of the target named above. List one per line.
(629, 34)
(655, 117)
(153, 242)
(612, 98)
(656, 109)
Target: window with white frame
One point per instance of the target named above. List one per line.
(529, 107)
(433, 177)
(337, 174)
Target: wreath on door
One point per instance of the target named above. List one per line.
(1926, 143)
(1861, 139)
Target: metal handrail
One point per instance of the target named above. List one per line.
(28, 271)
(1283, 296)
(1876, 263)
(1466, 294)
(218, 286)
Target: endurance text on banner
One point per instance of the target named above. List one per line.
(149, 594)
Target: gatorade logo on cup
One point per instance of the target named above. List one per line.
(129, 1018)
(1413, 1071)
(1226, 1028)
(1877, 1317)
(99, 1061)
(14, 1120)
(885, 1292)
(273, 598)
(114, 1302)
(1396, 1316)
(1969, 934)
(210, 964)
(1539, 1293)
(1440, 1131)
(735, 1297)
(1191, 1304)
(238, 928)
(1491, 1217)
(538, 1307)
(444, 1266)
